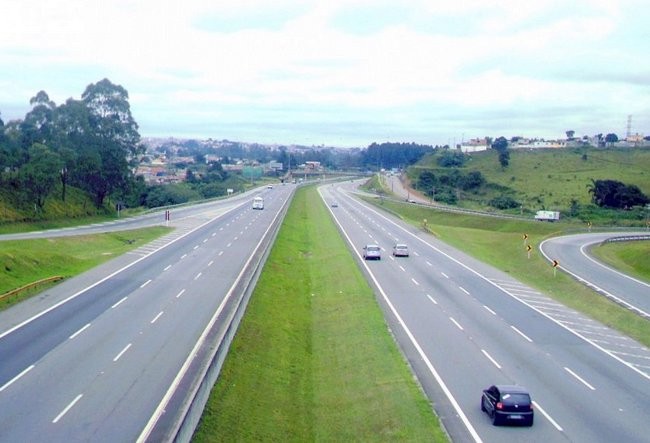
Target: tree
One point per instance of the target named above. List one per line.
(569, 134)
(451, 159)
(114, 138)
(501, 145)
(38, 176)
(611, 138)
(615, 194)
(472, 180)
(37, 125)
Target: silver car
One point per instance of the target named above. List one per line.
(400, 250)
(371, 252)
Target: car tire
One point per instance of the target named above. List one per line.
(483, 405)
(496, 419)
(529, 423)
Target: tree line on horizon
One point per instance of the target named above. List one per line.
(93, 144)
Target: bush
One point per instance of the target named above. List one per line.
(504, 202)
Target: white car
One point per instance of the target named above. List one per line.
(400, 250)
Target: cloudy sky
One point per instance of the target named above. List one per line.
(339, 72)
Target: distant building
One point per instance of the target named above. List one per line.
(313, 165)
(475, 145)
(524, 143)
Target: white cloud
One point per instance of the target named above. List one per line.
(399, 67)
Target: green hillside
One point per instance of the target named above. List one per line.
(548, 178)
(15, 217)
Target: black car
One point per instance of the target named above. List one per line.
(508, 404)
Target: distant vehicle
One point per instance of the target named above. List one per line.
(550, 216)
(258, 203)
(371, 252)
(269, 186)
(335, 205)
(400, 250)
(508, 404)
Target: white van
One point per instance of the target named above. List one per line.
(258, 203)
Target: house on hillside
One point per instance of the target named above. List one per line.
(475, 145)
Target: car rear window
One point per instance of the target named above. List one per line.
(373, 248)
(516, 399)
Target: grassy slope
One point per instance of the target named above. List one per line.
(313, 359)
(500, 243)
(632, 258)
(550, 178)
(26, 261)
(76, 209)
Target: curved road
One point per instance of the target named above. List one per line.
(572, 252)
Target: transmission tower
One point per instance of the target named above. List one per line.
(629, 126)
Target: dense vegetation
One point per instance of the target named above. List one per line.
(604, 185)
(90, 144)
(393, 155)
(79, 159)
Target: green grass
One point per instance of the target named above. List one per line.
(499, 242)
(313, 359)
(632, 258)
(23, 262)
(551, 178)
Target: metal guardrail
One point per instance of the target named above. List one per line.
(626, 238)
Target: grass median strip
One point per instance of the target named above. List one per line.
(313, 359)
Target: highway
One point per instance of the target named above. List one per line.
(464, 325)
(98, 357)
(572, 252)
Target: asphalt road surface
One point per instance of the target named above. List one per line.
(464, 325)
(92, 358)
(572, 252)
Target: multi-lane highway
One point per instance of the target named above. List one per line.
(464, 325)
(99, 357)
